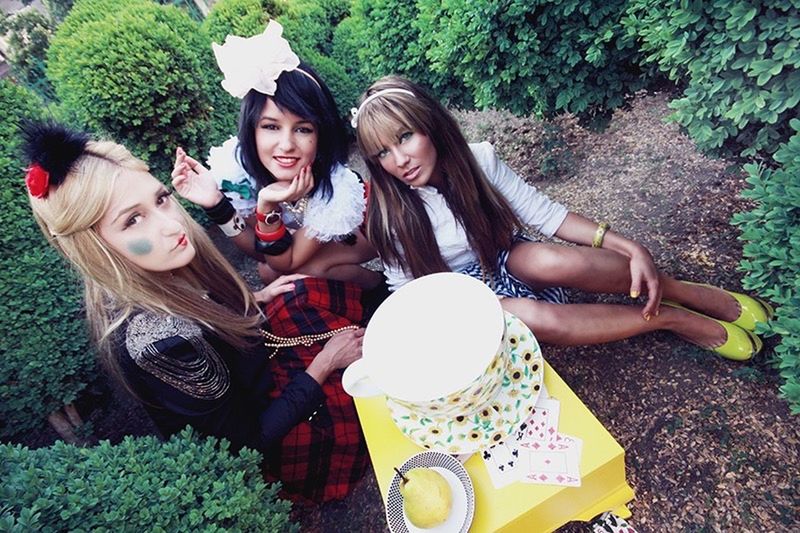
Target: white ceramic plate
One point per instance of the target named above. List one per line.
(463, 508)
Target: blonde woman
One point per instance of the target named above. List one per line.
(177, 325)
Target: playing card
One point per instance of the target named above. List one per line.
(542, 424)
(555, 463)
(503, 464)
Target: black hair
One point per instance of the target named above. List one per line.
(53, 147)
(312, 101)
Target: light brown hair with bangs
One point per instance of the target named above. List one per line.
(397, 223)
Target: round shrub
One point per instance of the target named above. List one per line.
(388, 39)
(142, 484)
(739, 61)
(46, 358)
(537, 56)
(141, 74)
(244, 18)
(344, 51)
(771, 253)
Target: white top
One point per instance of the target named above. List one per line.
(532, 207)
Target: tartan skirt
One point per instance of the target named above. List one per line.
(321, 458)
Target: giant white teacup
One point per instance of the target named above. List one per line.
(436, 346)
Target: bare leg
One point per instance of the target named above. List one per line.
(581, 324)
(542, 265)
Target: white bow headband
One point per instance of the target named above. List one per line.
(355, 111)
(256, 62)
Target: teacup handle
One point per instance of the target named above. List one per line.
(356, 382)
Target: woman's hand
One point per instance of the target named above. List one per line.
(281, 285)
(194, 182)
(341, 350)
(281, 191)
(645, 274)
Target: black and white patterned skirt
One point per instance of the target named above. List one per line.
(503, 283)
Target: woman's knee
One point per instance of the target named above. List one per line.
(541, 317)
(532, 261)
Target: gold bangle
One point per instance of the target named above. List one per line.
(602, 227)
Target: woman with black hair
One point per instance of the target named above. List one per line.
(293, 144)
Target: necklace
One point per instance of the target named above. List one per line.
(297, 209)
(274, 341)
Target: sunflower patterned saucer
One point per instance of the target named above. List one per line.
(479, 427)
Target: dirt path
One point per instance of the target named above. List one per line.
(709, 445)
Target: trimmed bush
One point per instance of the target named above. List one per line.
(344, 51)
(739, 61)
(46, 358)
(244, 18)
(141, 484)
(388, 39)
(771, 252)
(309, 27)
(139, 73)
(533, 57)
(309, 24)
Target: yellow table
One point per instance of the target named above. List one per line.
(519, 506)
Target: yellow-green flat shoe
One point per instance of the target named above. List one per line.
(751, 310)
(739, 345)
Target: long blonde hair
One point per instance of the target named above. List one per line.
(396, 214)
(208, 291)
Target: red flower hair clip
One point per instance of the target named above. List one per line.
(37, 180)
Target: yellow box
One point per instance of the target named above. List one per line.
(519, 506)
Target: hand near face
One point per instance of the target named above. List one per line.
(194, 182)
(283, 191)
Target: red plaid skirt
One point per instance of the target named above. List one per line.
(320, 459)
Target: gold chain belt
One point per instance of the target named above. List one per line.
(274, 341)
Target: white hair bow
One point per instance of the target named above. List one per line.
(255, 62)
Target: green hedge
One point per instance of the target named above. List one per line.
(309, 26)
(771, 252)
(533, 56)
(46, 358)
(388, 40)
(739, 61)
(243, 18)
(141, 484)
(141, 73)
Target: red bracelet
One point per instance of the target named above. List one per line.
(271, 236)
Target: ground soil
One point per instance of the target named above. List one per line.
(710, 446)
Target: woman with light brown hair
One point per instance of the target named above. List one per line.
(438, 204)
(176, 324)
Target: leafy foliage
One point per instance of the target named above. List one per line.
(139, 72)
(309, 26)
(739, 61)
(533, 57)
(771, 233)
(244, 18)
(388, 39)
(141, 484)
(28, 35)
(46, 357)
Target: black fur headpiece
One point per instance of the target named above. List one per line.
(53, 148)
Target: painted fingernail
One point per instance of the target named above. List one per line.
(647, 316)
(634, 294)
